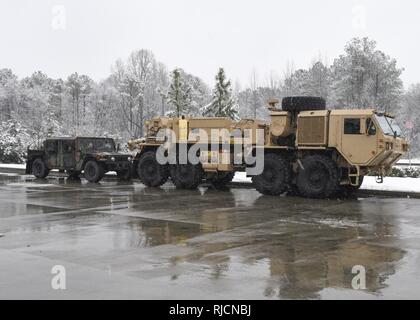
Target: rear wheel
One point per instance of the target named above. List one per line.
(186, 176)
(150, 171)
(275, 178)
(40, 169)
(317, 177)
(93, 171)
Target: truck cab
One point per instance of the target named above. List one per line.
(91, 155)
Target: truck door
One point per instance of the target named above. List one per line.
(358, 145)
(51, 150)
(68, 154)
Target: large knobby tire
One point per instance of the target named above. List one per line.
(93, 171)
(40, 169)
(186, 176)
(275, 178)
(150, 171)
(318, 177)
(220, 179)
(297, 104)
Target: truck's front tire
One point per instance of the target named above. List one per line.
(40, 169)
(150, 171)
(93, 171)
(186, 176)
(318, 177)
(275, 178)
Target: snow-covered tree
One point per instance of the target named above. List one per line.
(364, 77)
(9, 93)
(13, 141)
(179, 95)
(223, 102)
(408, 116)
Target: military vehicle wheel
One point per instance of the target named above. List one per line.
(124, 175)
(274, 180)
(221, 178)
(317, 177)
(297, 104)
(186, 176)
(93, 171)
(151, 172)
(40, 169)
(73, 174)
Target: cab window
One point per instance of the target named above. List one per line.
(370, 127)
(86, 145)
(51, 146)
(352, 126)
(67, 146)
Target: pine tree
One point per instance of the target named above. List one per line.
(223, 103)
(179, 95)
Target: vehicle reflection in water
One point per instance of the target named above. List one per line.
(306, 245)
(280, 247)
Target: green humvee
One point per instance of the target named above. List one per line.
(93, 156)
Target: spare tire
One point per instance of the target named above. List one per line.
(297, 104)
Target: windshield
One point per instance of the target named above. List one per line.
(91, 145)
(106, 145)
(389, 126)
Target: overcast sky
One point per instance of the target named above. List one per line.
(87, 36)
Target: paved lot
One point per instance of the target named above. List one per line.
(122, 240)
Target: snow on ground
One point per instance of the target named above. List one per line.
(408, 161)
(241, 177)
(12, 166)
(392, 184)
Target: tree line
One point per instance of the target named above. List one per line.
(140, 88)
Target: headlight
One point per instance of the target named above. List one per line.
(112, 158)
(129, 159)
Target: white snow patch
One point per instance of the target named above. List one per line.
(339, 223)
(31, 185)
(8, 174)
(13, 166)
(392, 184)
(241, 177)
(408, 161)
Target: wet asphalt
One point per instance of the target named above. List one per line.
(119, 240)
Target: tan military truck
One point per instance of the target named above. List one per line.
(307, 149)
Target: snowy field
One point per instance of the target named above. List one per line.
(369, 183)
